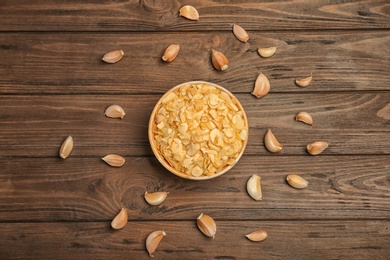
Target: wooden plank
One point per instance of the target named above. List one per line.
(86, 189)
(148, 15)
(286, 240)
(68, 63)
(36, 126)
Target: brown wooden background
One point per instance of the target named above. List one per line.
(54, 84)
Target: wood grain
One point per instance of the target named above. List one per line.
(86, 189)
(158, 16)
(54, 84)
(36, 126)
(286, 240)
(68, 63)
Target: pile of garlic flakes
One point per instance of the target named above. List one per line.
(200, 129)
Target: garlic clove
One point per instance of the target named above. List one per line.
(153, 240)
(189, 12)
(271, 143)
(171, 52)
(155, 198)
(304, 117)
(267, 52)
(114, 160)
(253, 186)
(262, 86)
(297, 181)
(316, 147)
(115, 111)
(240, 33)
(120, 220)
(113, 56)
(257, 236)
(304, 82)
(66, 147)
(219, 60)
(207, 225)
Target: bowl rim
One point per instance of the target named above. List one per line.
(162, 160)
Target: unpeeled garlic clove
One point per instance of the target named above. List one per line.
(297, 181)
(113, 56)
(207, 225)
(189, 12)
(253, 186)
(240, 33)
(316, 147)
(219, 60)
(155, 198)
(153, 240)
(114, 160)
(120, 220)
(267, 52)
(257, 236)
(66, 147)
(262, 86)
(304, 82)
(271, 143)
(304, 117)
(171, 52)
(115, 111)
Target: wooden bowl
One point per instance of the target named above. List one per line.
(161, 158)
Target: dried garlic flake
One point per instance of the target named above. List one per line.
(200, 129)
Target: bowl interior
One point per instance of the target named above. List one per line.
(163, 161)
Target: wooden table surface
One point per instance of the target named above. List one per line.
(54, 84)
